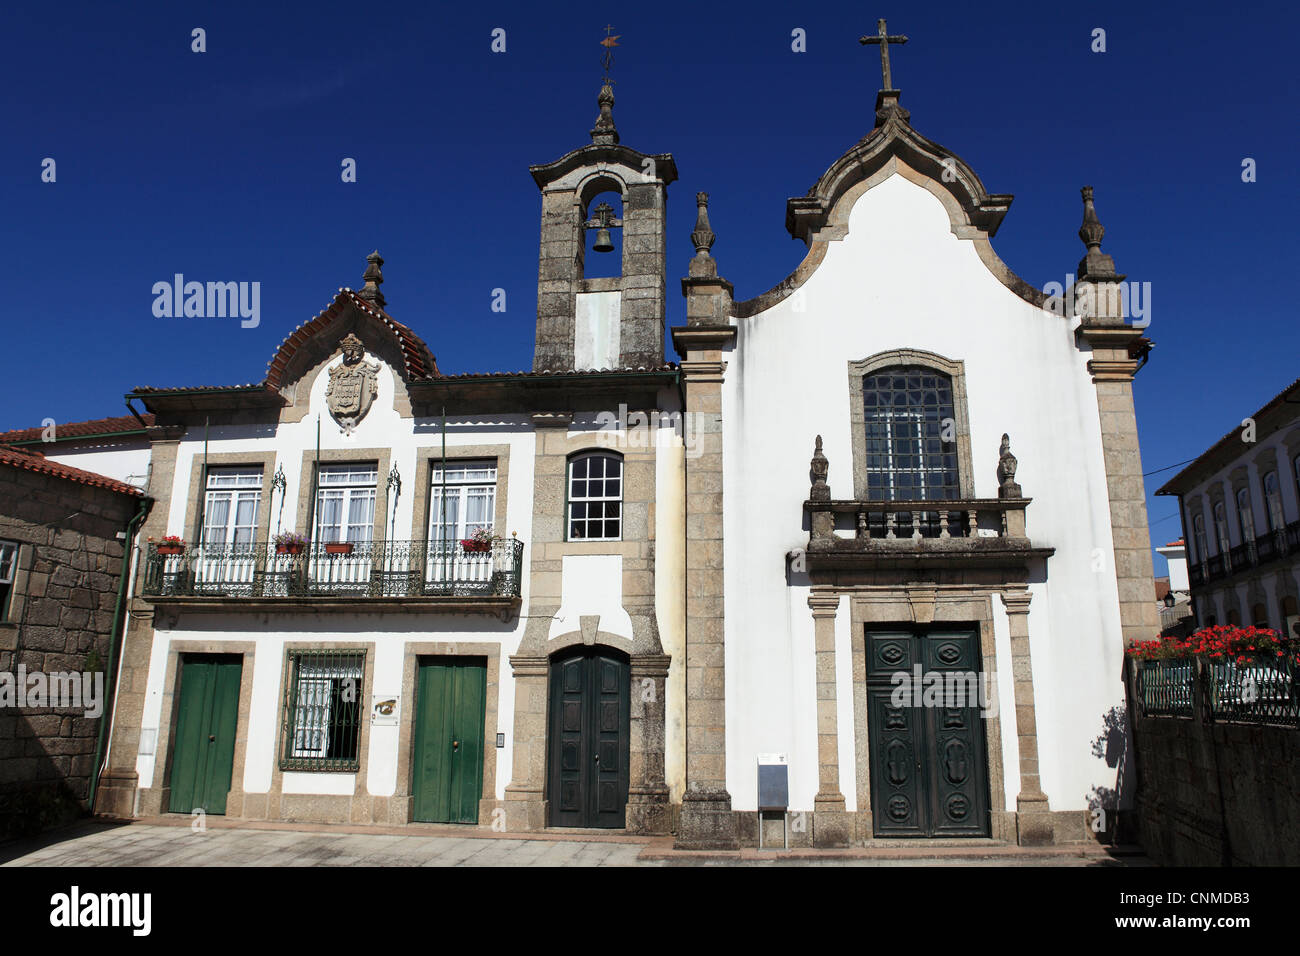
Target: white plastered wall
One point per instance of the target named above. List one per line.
(901, 279)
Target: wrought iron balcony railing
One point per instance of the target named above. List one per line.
(378, 569)
(1266, 548)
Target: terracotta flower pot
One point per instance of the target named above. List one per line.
(471, 546)
(289, 548)
(338, 547)
(171, 549)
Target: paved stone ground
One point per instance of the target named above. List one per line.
(176, 844)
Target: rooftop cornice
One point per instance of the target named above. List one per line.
(595, 154)
(895, 137)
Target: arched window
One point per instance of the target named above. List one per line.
(911, 442)
(1221, 527)
(594, 508)
(1198, 535)
(1245, 517)
(1273, 503)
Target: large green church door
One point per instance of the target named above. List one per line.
(929, 769)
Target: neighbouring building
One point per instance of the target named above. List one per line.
(116, 448)
(600, 592)
(1240, 508)
(64, 540)
(1173, 593)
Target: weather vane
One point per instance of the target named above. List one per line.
(607, 58)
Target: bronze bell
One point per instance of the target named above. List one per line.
(603, 241)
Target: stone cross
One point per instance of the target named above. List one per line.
(883, 39)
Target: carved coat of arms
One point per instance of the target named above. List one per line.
(353, 385)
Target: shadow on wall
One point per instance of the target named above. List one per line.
(44, 770)
(1108, 822)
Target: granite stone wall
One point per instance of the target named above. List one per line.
(60, 619)
(1212, 793)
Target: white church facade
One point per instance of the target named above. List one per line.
(599, 593)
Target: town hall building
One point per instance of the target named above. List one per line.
(604, 592)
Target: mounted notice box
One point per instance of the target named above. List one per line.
(773, 782)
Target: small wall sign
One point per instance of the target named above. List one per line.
(384, 710)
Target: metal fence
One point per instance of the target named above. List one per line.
(1261, 689)
(1165, 687)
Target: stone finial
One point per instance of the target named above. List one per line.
(819, 466)
(604, 133)
(1092, 230)
(702, 264)
(1095, 264)
(703, 237)
(1007, 464)
(374, 278)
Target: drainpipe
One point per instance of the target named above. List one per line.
(118, 633)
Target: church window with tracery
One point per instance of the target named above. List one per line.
(911, 449)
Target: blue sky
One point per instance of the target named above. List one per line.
(225, 166)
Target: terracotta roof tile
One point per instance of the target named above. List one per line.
(149, 389)
(67, 430)
(35, 462)
(626, 370)
(416, 356)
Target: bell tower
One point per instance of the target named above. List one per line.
(609, 321)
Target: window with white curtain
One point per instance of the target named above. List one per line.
(233, 498)
(345, 503)
(470, 503)
(322, 723)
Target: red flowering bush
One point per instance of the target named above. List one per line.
(1221, 642)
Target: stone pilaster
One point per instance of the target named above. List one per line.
(119, 781)
(560, 263)
(1033, 816)
(526, 794)
(831, 823)
(707, 820)
(1118, 351)
(648, 810)
(641, 310)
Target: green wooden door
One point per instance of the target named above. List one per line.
(589, 739)
(203, 755)
(929, 772)
(450, 703)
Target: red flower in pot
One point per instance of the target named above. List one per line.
(480, 542)
(172, 544)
